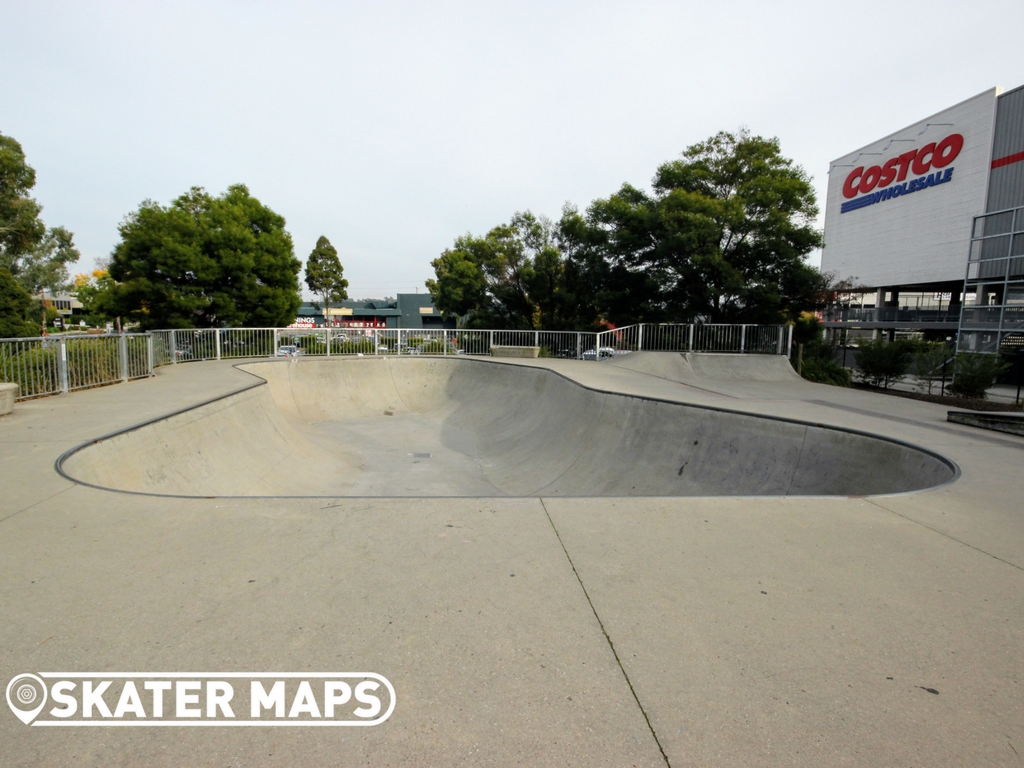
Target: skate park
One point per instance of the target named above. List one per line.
(803, 574)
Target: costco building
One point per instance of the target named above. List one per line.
(929, 224)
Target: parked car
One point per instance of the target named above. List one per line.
(288, 350)
(604, 352)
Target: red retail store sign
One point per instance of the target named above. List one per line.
(918, 161)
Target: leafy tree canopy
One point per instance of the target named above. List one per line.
(205, 261)
(513, 277)
(37, 257)
(95, 291)
(15, 306)
(723, 236)
(324, 275)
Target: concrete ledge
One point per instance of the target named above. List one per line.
(504, 351)
(1012, 423)
(7, 394)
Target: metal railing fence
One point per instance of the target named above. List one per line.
(693, 337)
(61, 364)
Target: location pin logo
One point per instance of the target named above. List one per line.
(26, 696)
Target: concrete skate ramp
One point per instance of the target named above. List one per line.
(693, 368)
(463, 427)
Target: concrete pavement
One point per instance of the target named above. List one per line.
(534, 631)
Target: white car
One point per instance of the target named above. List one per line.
(288, 350)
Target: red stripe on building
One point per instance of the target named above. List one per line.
(1008, 160)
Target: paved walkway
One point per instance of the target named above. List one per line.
(691, 631)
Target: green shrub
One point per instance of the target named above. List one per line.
(33, 369)
(884, 362)
(311, 345)
(352, 346)
(974, 373)
(15, 306)
(931, 363)
(92, 361)
(819, 357)
(825, 370)
(430, 347)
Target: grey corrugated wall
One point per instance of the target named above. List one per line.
(1006, 184)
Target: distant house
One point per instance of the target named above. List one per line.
(408, 310)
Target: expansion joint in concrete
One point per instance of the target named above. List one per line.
(607, 637)
(36, 504)
(944, 534)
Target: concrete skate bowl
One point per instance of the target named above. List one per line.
(465, 427)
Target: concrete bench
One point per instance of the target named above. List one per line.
(506, 351)
(1011, 423)
(7, 394)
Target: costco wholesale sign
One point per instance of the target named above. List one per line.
(936, 155)
(899, 209)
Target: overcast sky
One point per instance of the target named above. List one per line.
(394, 128)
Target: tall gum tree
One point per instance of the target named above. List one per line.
(36, 257)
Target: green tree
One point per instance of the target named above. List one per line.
(37, 257)
(974, 373)
(324, 276)
(46, 266)
(20, 227)
(95, 291)
(15, 308)
(511, 278)
(931, 364)
(205, 262)
(882, 362)
(819, 362)
(723, 236)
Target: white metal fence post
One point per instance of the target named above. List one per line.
(122, 353)
(327, 338)
(579, 345)
(536, 338)
(743, 337)
(444, 341)
(273, 350)
(491, 347)
(689, 339)
(149, 354)
(216, 341)
(789, 341)
(62, 365)
(640, 339)
(778, 340)
(174, 346)
(376, 342)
